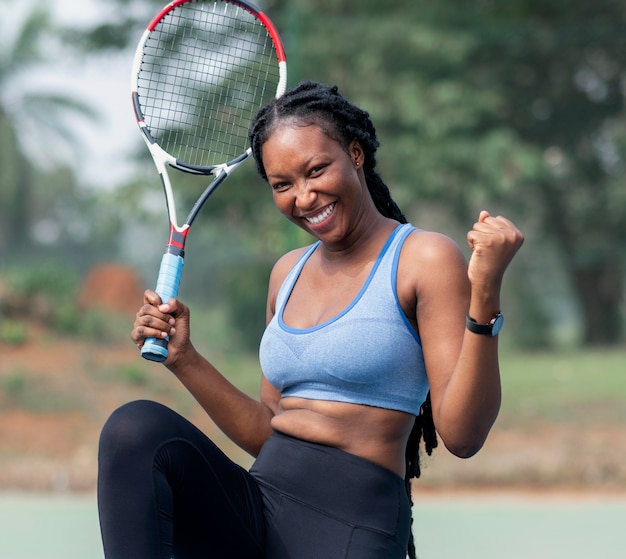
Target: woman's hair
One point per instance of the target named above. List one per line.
(314, 103)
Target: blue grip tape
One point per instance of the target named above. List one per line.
(167, 286)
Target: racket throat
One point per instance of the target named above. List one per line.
(176, 242)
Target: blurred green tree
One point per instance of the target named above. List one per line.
(34, 127)
(514, 105)
(517, 106)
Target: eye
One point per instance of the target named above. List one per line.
(317, 170)
(279, 186)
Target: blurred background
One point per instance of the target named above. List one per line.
(517, 107)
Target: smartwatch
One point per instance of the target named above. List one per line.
(492, 328)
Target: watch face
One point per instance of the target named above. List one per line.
(498, 321)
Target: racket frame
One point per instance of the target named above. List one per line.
(172, 262)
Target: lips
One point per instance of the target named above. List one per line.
(324, 214)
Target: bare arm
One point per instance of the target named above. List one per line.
(463, 367)
(243, 419)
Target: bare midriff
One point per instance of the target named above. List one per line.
(375, 434)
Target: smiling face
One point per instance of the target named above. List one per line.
(317, 183)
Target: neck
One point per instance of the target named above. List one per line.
(365, 239)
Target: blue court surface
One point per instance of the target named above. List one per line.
(517, 526)
(511, 526)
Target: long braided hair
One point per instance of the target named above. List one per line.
(314, 103)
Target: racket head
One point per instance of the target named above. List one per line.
(201, 71)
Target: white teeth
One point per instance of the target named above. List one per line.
(321, 217)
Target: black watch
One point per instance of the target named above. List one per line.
(492, 328)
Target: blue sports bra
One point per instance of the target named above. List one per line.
(367, 354)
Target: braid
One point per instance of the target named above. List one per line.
(423, 428)
(322, 105)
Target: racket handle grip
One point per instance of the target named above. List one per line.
(168, 282)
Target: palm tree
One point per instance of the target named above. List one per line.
(33, 123)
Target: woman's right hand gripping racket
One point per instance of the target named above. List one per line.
(201, 71)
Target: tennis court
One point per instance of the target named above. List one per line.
(516, 527)
(499, 527)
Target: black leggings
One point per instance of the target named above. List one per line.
(166, 491)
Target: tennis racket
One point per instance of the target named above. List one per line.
(201, 71)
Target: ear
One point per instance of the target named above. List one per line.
(355, 150)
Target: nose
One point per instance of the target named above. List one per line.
(305, 195)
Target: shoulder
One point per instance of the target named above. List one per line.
(430, 248)
(285, 263)
(281, 268)
(429, 263)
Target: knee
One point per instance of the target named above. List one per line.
(132, 425)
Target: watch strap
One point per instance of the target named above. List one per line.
(492, 328)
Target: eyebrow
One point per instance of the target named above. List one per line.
(304, 164)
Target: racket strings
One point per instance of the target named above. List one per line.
(206, 69)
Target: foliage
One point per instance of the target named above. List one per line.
(50, 280)
(517, 106)
(247, 300)
(14, 385)
(12, 333)
(47, 294)
(514, 106)
(21, 390)
(36, 293)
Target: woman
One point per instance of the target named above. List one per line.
(367, 326)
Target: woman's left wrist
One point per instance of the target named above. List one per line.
(483, 309)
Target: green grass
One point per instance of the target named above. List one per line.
(564, 386)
